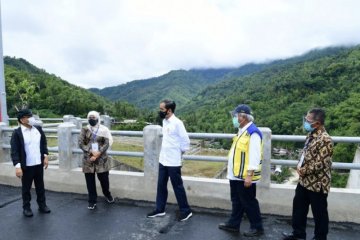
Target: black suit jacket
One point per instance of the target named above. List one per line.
(18, 154)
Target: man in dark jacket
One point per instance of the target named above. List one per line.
(29, 154)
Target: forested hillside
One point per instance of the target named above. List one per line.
(50, 96)
(280, 95)
(179, 85)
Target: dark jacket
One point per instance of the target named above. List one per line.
(18, 154)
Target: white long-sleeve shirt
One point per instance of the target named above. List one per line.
(32, 145)
(254, 153)
(174, 143)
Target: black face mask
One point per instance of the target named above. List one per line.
(93, 122)
(162, 114)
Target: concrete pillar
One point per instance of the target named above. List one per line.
(66, 144)
(4, 156)
(74, 120)
(354, 177)
(77, 158)
(66, 118)
(152, 146)
(266, 170)
(106, 121)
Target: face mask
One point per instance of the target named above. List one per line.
(93, 122)
(307, 127)
(162, 114)
(236, 122)
(32, 121)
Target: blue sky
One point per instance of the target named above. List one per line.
(101, 43)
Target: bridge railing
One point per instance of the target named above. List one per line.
(204, 192)
(284, 138)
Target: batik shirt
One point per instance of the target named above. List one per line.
(316, 166)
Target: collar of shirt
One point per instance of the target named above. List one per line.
(170, 118)
(241, 130)
(23, 128)
(316, 132)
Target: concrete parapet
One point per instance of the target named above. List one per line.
(203, 192)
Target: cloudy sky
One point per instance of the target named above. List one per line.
(101, 43)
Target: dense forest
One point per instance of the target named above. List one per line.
(50, 96)
(181, 85)
(281, 94)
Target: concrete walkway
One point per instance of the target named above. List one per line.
(71, 220)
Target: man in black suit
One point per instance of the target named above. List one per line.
(29, 154)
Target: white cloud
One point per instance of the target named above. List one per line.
(99, 43)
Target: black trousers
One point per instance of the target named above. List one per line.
(33, 174)
(91, 185)
(174, 173)
(318, 201)
(244, 201)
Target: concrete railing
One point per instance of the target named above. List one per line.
(203, 192)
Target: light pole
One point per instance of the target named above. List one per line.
(3, 108)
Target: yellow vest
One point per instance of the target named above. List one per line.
(240, 148)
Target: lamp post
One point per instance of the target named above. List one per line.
(3, 108)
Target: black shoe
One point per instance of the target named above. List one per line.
(92, 206)
(44, 209)
(184, 216)
(254, 233)
(227, 227)
(291, 236)
(155, 213)
(27, 212)
(110, 199)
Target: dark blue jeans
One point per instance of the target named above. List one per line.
(318, 201)
(162, 193)
(244, 200)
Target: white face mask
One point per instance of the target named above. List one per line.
(33, 121)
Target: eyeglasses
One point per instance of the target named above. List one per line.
(306, 120)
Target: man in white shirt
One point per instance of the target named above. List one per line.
(29, 154)
(174, 143)
(244, 171)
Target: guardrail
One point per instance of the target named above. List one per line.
(203, 192)
(282, 162)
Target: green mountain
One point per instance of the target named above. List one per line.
(47, 94)
(281, 94)
(182, 85)
(179, 85)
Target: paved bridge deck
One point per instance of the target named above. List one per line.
(71, 220)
